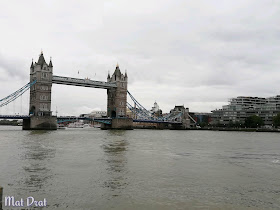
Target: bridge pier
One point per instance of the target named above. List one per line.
(119, 123)
(161, 126)
(40, 123)
(177, 127)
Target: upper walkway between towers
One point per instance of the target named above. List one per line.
(82, 82)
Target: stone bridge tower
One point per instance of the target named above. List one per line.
(40, 93)
(40, 96)
(117, 97)
(116, 102)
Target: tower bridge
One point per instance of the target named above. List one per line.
(40, 114)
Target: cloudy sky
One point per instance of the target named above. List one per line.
(198, 53)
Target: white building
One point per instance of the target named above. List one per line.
(155, 108)
(242, 107)
(98, 114)
(95, 114)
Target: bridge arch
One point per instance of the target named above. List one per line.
(32, 110)
(113, 114)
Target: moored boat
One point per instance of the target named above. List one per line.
(76, 125)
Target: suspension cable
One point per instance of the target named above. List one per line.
(10, 98)
(144, 114)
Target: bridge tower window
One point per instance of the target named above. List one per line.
(44, 75)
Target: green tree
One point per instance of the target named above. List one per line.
(276, 120)
(253, 121)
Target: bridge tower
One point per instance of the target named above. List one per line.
(116, 101)
(40, 96)
(117, 97)
(40, 93)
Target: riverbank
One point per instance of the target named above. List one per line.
(238, 129)
(9, 122)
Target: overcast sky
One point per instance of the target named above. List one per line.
(192, 52)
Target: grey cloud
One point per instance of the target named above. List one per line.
(197, 53)
(13, 68)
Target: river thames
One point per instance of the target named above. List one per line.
(141, 169)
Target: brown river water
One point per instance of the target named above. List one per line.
(141, 169)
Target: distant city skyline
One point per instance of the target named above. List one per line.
(193, 53)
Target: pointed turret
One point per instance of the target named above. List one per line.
(50, 64)
(125, 75)
(117, 70)
(108, 77)
(41, 59)
(32, 65)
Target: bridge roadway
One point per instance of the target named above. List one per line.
(82, 82)
(156, 121)
(14, 117)
(73, 118)
(59, 119)
(21, 117)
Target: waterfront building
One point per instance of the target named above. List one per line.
(242, 107)
(95, 114)
(156, 111)
(155, 108)
(201, 118)
(178, 109)
(130, 114)
(180, 113)
(98, 114)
